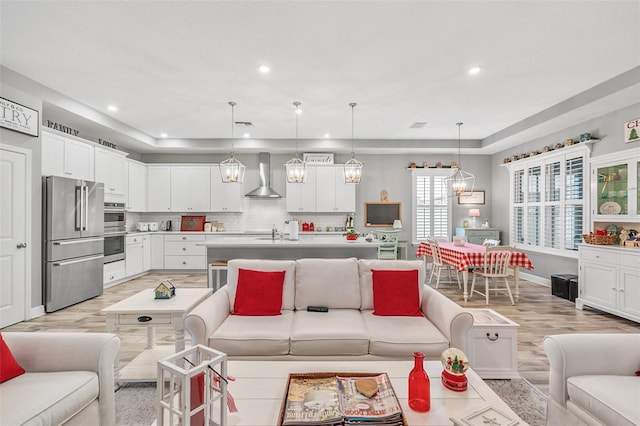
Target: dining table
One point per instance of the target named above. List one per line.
(466, 256)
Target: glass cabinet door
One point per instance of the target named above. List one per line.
(612, 189)
(638, 187)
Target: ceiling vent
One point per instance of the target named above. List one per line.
(244, 124)
(418, 125)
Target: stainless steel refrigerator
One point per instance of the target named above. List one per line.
(74, 241)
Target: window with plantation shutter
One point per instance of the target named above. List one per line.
(432, 205)
(547, 203)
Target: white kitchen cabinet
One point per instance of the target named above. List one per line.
(333, 195)
(137, 186)
(67, 157)
(134, 259)
(225, 197)
(301, 197)
(182, 251)
(615, 183)
(190, 188)
(609, 280)
(158, 188)
(157, 251)
(114, 272)
(110, 169)
(146, 252)
(629, 283)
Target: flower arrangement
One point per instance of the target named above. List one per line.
(351, 234)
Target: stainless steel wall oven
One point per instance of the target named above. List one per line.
(114, 232)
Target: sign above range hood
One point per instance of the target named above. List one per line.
(264, 190)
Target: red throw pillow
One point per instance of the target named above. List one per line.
(258, 293)
(396, 293)
(9, 367)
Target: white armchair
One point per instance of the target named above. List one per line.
(69, 379)
(591, 379)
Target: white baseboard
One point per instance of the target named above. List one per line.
(535, 279)
(36, 311)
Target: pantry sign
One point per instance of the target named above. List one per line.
(632, 130)
(20, 118)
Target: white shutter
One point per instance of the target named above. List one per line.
(432, 211)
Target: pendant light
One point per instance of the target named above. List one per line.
(295, 167)
(461, 181)
(231, 170)
(353, 167)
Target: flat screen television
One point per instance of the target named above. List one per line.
(382, 214)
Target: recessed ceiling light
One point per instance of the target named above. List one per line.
(163, 135)
(327, 135)
(474, 70)
(246, 135)
(112, 108)
(264, 69)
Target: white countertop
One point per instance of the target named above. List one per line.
(305, 241)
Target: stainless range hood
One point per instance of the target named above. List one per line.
(264, 168)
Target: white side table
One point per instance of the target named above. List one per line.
(143, 309)
(492, 345)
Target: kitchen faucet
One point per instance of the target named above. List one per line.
(274, 231)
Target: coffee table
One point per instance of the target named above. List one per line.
(142, 309)
(259, 387)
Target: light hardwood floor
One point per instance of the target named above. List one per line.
(538, 313)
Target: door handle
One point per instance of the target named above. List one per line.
(21, 245)
(71, 262)
(87, 240)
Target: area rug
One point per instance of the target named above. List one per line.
(136, 402)
(525, 399)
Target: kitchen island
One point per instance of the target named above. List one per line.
(304, 247)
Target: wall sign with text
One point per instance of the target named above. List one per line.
(19, 118)
(317, 158)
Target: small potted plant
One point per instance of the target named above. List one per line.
(351, 234)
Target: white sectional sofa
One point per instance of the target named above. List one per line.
(592, 379)
(348, 330)
(69, 379)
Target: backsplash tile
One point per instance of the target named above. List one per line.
(258, 215)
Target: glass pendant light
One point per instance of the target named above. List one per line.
(231, 170)
(295, 167)
(353, 167)
(461, 181)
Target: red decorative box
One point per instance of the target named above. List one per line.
(192, 223)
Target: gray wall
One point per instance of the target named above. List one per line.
(608, 128)
(21, 140)
(381, 172)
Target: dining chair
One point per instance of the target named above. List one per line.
(438, 264)
(388, 248)
(495, 267)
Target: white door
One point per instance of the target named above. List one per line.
(15, 248)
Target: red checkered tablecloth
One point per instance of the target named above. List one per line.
(462, 257)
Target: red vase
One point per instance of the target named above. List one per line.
(419, 386)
